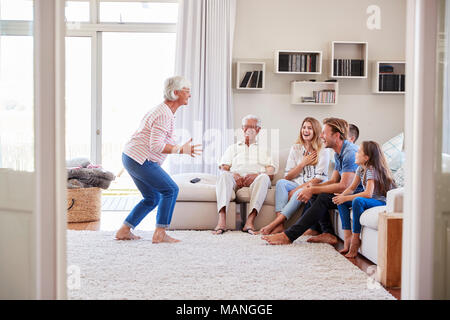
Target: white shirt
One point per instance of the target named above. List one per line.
(319, 171)
(244, 159)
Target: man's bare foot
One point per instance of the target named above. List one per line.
(323, 238)
(277, 239)
(354, 246)
(162, 236)
(310, 232)
(124, 233)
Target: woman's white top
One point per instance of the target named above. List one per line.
(319, 171)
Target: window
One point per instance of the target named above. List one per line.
(77, 11)
(115, 70)
(16, 102)
(152, 12)
(16, 10)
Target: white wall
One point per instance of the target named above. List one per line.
(263, 26)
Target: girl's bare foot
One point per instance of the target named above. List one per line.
(347, 241)
(346, 246)
(124, 233)
(354, 246)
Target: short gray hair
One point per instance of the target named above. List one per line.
(251, 117)
(174, 83)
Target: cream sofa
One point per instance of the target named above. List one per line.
(196, 207)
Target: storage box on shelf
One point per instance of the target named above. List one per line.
(298, 62)
(349, 59)
(250, 75)
(388, 77)
(314, 93)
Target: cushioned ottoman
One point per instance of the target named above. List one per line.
(196, 206)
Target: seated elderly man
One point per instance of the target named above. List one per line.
(244, 164)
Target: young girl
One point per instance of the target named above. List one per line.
(376, 179)
(307, 164)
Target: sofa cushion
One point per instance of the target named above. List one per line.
(369, 218)
(243, 195)
(204, 190)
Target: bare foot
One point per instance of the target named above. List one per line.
(160, 237)
(265, 230)
(346, 246)
(323, 238)
(354, 246)
(310, 232)
(277, 239)
(124, 233)
(279, 228)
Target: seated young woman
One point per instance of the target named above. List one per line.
(307, 165)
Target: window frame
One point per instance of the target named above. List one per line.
(94, 29)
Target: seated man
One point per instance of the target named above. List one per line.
(353, 133)
(334, 135)
(244, 164)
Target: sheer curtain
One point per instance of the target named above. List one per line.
(446, 106)
(203, 55)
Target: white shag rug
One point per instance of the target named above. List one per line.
(203, 266)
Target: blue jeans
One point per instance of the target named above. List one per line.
(282, 203)
(358, 205)
(157, 188)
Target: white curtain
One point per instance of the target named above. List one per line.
(446, 102)
(203, 55)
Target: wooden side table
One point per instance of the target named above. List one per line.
(390, 249)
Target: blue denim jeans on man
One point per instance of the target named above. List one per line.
(157, 188)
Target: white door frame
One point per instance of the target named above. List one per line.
(420, 100)
(51, 176)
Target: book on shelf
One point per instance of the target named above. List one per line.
(253, 79)
(245, 80)
(390, 82)
(283, 62)
(324, 96)
(348, 67)
(297, 62)
(260, 79)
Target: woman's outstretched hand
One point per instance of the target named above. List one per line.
(190, 149)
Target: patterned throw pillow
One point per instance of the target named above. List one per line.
(399, 177)
(392, 150)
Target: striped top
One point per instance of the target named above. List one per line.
(154, 132)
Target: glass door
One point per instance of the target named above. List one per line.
(17, 150)
(78, 97)
(134, 67)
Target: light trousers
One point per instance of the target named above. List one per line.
(258, 191)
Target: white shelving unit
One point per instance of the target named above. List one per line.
(243, 67)
(294, 59)
(354, 50)
(300, 89)
(399, 68)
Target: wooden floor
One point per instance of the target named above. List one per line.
(112, 220)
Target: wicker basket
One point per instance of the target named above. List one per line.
(84, 204)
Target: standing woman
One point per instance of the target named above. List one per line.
(143, 156)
